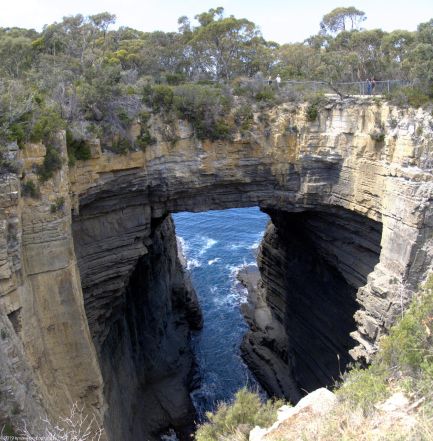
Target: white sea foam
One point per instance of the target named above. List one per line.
(234, 269)
(238, 292)
(193, 263)
(208, 243)
(186, 252)
(183, 245)
(257, 242)
(237, 246)
(211, 262)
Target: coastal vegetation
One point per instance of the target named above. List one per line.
(235, 420)
(83, 74)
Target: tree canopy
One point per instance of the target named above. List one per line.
(342, 19)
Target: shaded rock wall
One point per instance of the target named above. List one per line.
(311, 265)
(146, 361)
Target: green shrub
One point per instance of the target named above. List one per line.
(362, 387)
(404, 355)
(312, 112)
(244, 117)
(30, 189)
(159, 97)
(48, 123)
(174, 79)
(314, 102)
(121, 146)
(409, 343)
(240, 88)
(266, 94)
(17, 133)
(411, 96)
(145, 138)
(78, 149)
(204, 107)
(123, 117)
(238, 417)
(52, 163)
(58, 204)
(144, 117)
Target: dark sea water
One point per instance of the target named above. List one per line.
(216, 244)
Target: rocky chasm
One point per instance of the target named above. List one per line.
(95, 307)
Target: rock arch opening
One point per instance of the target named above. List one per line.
(142, 308)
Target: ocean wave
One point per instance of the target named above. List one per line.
(257, 242)
(212, 261)
(234, 269)
(238, 292)
(208, 243)
(237, 246)
(183, 244)
(193, 263)
(232, 300)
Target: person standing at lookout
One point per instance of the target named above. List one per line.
(278, 80)
(373, 85)
(369, 86)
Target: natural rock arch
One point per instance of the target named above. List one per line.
(333, 167)
(120, 229)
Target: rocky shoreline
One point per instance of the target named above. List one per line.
(249, 277)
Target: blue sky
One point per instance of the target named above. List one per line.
(280, 20)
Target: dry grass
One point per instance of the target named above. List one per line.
(345, 423)
(75, 427)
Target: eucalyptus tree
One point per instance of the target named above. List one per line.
(342, 19)
(224, 47)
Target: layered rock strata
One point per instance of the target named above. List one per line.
(302, 315)
(145, 358)
(71, 294)
(48, 359)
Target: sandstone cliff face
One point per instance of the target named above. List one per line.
(311, 265)
(50, 359)
(341, 182)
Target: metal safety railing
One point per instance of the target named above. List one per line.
(381, 87)
(347, 88)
